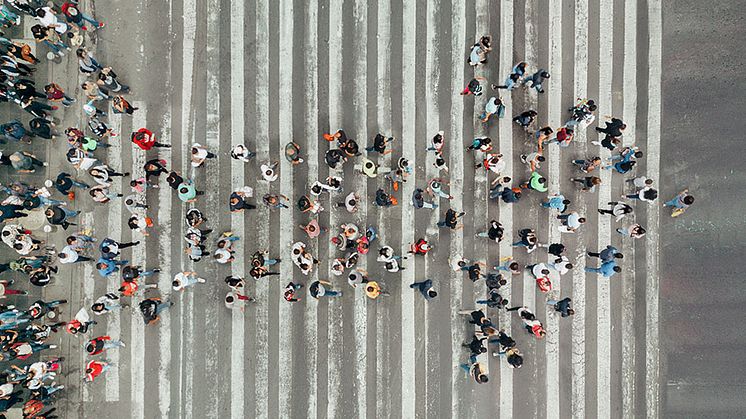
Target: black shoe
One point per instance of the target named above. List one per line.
(156, 270)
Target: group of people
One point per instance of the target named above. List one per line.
(24, 332)
(581, 116)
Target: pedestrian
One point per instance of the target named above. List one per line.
(474, 87)
(98, 345)
(562, 306)
(587, 183)
(275, 201)
(185, 279)
(150, 308)
(319, 289)
(426, 288)
(607, 254)
(495, 232)
(518, 71)
(145, 139)
(477, 371)
(494, 106)
(527, 239)
(59, 215)
(680, 202)
(8, 212)
(95, 368)
(526, 118)
(438, 141)
(617, 209)
(645, 193)
(475, 345)
(86, 62)
(107, 267)
(564, 137)
(556, 201)
(508, 265)
(269, 171)
(536, 182)
(634, 231)
(290, 292)
(570, 222)
(242, 153)
(24, 162)
(418, 200)
(55, 94)
(187, 192)
(614, 127)
(536, 80)
(479, 51)
(587, 165)
(435, 188)
(107, 79)
(379, 144)
(607, 269)
(154, 167)
(451, 220)
(200, 155)
(530, 323)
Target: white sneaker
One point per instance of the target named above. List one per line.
(52, 346)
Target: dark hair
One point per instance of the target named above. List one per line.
(542, 180)
(581, 220)
(432, 293)
(569, 266)
(638, 154)
(618, 255)
(617, 268)
(566, 202)
(688, 200)
(482, 378)
(541, 158)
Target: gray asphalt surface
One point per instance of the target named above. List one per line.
(701, 295)
(397, 356)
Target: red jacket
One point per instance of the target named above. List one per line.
(144, 138)
(97, 349)
(96, 369)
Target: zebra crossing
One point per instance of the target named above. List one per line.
(264, 73)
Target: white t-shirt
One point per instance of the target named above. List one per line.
(70, 255)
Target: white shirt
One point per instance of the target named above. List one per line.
(561, 266)
(222, 255)
(199, 157)
(70, 255)
(536, 270)
(14, 230)
(269, 173)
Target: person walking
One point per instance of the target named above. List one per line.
(98, 345)
(634, 231)
(451, 220)
(618, 210)
(495, 232)
(183, 280)
(319, 289)
(608, 254)
(425, 288)
(562, 306)
(95, 368)
(607, 269)
(680, 203)
(556, 201)
(570, 222)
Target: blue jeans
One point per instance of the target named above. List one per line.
(328, 293)
(596, 270)
(90, 20)
(164, 305)
(69, 213)
(675, 203)
(520, 244)
(270, 262)
(56, 47)
(147, 273)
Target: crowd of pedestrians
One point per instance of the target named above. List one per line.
(25, 328)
